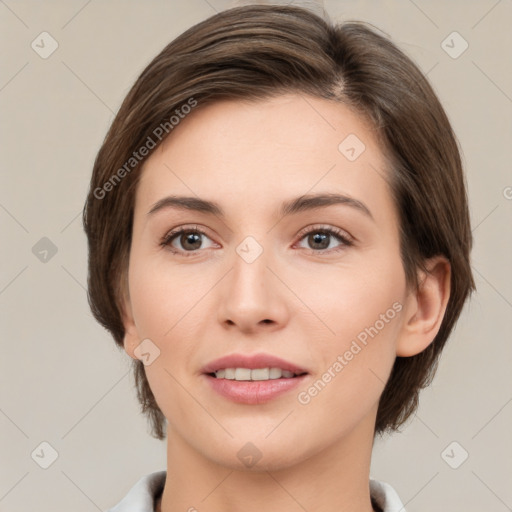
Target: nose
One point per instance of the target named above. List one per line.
(253, 296)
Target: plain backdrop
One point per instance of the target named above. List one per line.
(62, 380)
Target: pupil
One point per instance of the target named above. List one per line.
(321, 238)
(193, 238)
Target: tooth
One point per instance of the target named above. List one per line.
(230, 373)
(247, 374)
(260, 374)
(242, 374)
(275, 373)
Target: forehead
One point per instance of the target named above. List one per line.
(254, 153)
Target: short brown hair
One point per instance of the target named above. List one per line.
(256, 52)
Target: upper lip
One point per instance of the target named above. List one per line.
(251, 361)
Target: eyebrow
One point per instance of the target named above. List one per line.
(290, 207)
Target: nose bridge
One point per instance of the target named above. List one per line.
(252, 295)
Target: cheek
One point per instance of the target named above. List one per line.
(355, 361)
(347, 300)
(361, 318)
(166, 306)
(163, 298)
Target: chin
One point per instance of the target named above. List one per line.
(258, 455)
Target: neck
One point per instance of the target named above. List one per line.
(341, 471)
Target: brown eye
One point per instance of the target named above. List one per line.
(185, 240)
(190, 240)
(319, 239)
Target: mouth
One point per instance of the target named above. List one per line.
(254, 374)
(253, 379)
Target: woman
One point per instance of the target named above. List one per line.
(279, 237)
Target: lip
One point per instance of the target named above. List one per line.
(253, 392)
(251, 361)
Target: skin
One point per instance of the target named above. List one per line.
(298, 300)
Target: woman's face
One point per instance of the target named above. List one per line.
(260, 276)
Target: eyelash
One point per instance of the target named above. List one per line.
(335, 232)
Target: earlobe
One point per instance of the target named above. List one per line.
(425, 308)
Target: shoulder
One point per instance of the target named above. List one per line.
(141, 496)
(385, 496)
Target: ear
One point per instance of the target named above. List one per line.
(425, 308)
(131, 335)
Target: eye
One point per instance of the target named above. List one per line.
(188, 238)
(320, 238)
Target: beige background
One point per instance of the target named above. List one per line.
(61, 378)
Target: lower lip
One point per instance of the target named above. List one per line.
(253, 392)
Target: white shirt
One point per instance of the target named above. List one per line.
(141, 497)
